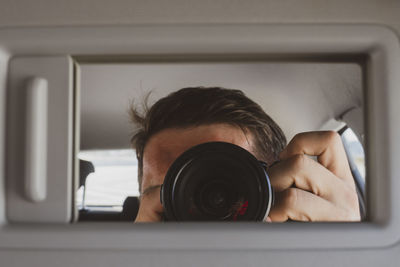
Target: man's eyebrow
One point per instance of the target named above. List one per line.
(151, 189)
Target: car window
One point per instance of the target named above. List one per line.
(113, 180)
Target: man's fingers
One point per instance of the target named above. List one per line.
(326, 145)
(299, 205)
(304, 173)
(314, 191)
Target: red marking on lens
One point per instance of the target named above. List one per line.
(242, 210)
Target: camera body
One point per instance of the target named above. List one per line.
(216, 181)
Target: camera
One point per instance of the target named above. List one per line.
(216, 181)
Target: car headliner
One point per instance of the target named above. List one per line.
(299, 96)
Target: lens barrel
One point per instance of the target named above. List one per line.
(216, 181)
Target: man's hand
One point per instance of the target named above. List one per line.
(307, 190)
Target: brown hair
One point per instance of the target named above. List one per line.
(194, 106)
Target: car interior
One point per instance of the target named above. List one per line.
(69, 192)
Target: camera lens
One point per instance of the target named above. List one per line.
(215, 198)
(216, 182)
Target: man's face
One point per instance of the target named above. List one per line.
(305, 190)
(166, 146)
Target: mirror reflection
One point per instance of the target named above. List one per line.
(221, 141)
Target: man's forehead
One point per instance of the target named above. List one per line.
(164, 147)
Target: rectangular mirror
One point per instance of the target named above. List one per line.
(299, 95)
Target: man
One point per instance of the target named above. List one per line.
(306, 190)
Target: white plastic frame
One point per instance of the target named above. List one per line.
(377, 43)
